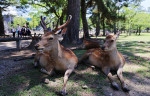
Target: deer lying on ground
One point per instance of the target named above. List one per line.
(108, 59)
(89, 44)
(53, 56)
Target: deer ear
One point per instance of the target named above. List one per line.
(117, 35)
(64, 30)
(107, 33)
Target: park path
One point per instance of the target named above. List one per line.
(12, 44)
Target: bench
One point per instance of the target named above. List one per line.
(17, 39)
(3, 36)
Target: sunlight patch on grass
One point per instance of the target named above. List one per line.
(134, 68)
(143, 55)
(133, 37)
(137, 69)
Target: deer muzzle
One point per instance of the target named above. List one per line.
(37, 47)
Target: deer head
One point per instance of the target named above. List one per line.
(50, 39)
(110, 42)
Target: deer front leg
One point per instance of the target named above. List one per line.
(107, 72)
(67, 74)
(50, 72)
(36, 60)
(120, 76)
(36, 63)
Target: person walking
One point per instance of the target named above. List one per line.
(18, 30)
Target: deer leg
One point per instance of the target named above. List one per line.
(120, 76)
(107, 72)
(50, 72)
(36, 60)
(67, 74)
(36, 63)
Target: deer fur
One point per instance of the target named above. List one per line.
(90, 43)
(108, 58)
(51, 55)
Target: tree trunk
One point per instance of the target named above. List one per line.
(62, 16)
(72, 34)
(1, 23)
(98, 25)
(103, 27)
(140, 30)
(137, 30)
(115, 31)
(61, 19)
(130, 30)
(84, 20)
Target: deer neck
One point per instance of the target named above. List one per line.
(112, 53)
(56, 50)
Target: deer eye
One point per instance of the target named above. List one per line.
(51, 38)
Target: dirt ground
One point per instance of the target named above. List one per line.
(12, 45)
(7, 64)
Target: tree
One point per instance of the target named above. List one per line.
(1, 22)
(84, 7)
(136, 20)
(56, 7)
(3, 5)
(72, 34)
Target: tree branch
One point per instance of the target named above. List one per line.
(41, 6)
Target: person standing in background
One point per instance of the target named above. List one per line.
(23, 31)
(18, 29)
(28, 31)
(13, 31)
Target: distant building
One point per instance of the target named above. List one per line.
(8, 19)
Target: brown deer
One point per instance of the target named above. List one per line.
(53, 56)
(108, 59)
(90, 43)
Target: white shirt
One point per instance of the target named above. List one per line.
(18, 28)
(13, 30)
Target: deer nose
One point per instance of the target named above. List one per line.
(36, 46)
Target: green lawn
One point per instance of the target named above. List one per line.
(30, 83)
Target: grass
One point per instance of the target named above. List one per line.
(30, 83)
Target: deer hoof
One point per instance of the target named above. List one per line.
(62, 93)
(125, 89)
(115, 86)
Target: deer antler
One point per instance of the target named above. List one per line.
(43, 24)
(58, 28)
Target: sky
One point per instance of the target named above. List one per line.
(13, 11)
(145, 4)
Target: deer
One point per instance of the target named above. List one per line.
(52, 56)
(89, 43)
(108, 59)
